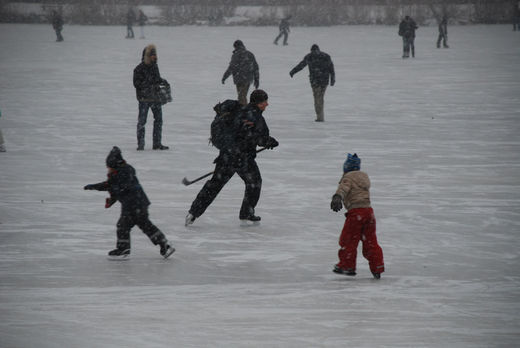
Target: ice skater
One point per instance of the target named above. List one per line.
(360, 223)
(284, 28)
(123, 186)
(407, 29)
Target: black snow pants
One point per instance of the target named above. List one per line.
(248, 172)
(139, 217)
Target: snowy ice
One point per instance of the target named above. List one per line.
(438, 135)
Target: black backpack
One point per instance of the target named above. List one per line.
(222, 127)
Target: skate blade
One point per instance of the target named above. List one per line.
(170, 251)
(119, 258)
(245, 223)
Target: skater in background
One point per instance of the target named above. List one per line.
(407, 29)
(244, 68)
(147, 80)
(516, 16)
(57, 24)
(130, 19)
(443, 33)
(321, 71)
(237, 144)
(285, 29)
(360, 224)
(2, 144)
(142, 18)
(123, 186)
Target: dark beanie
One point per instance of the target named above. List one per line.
(238, 43)
(114, 158)
(315, 47)
(258, 96)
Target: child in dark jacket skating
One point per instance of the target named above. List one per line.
(360, 224)
(123, 186)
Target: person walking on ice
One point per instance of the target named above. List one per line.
(123, 186)
(360, 224)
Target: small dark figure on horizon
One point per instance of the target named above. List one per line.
(130, 19)
(443, 33)
(57, 24)
(407, 29)
(285, 29)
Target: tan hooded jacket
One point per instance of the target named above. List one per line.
(354, 189)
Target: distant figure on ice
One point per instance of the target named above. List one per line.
(407, 29)
(443, 33)
(516, 16)
(57, 24)
(237, 138)
(244, 68)
(130, 19)
(147, 83)
(142, 21)
(360, 224)
(321, 69)
(284, 31)
(2, 144)
(123, 186)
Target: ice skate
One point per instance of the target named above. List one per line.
(344, 271)
(119, 254)
(190, 219)
(167, 250)
(250, 220)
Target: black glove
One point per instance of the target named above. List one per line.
(223, 81)
(291, 74)
(89, 187)
(336, 203)
(271, 143)
(332, 82)
(257, 83)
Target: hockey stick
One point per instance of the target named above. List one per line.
(187, 182)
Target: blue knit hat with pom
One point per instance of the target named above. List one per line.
(353, 162)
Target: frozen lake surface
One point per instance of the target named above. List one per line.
(438, 135)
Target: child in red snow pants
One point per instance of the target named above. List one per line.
(360, 224)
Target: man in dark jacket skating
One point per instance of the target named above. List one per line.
(57, 24)
(244, 68)
(285, 29)
(237, 147)
(147, 81)
(321, 69)
(443, 33)
(407, 29)
(123, 186)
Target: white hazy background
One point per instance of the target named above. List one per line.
(438, 135)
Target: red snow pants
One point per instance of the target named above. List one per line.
(360, 224)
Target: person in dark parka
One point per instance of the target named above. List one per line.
(284, 28)
(407, 29)
(130, 19)
(237, 145)
(443, 33)
(244, 68)
(321, 71)
(57, 24)
(146, 82)
(123, 186)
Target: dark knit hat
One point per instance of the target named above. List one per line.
(258, 96)
(238, 43)
(353, 162)
(114, 158)
(315, 47)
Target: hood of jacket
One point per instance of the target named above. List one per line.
(147, 54)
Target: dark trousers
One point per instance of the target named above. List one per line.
(444, 38)
(242, 90)
(157, 122)
(248, 172)
(285, 35)
(408, 43)
(59, 37)
(139, 217)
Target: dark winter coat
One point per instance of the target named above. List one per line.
(320, 65)
(147, 78)
(243, 66)
(284, 25)
(407, 28)
(130, 17)
(443, 28)
(252, 131)
(123, 186)
(142, 18)
(57, 21)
